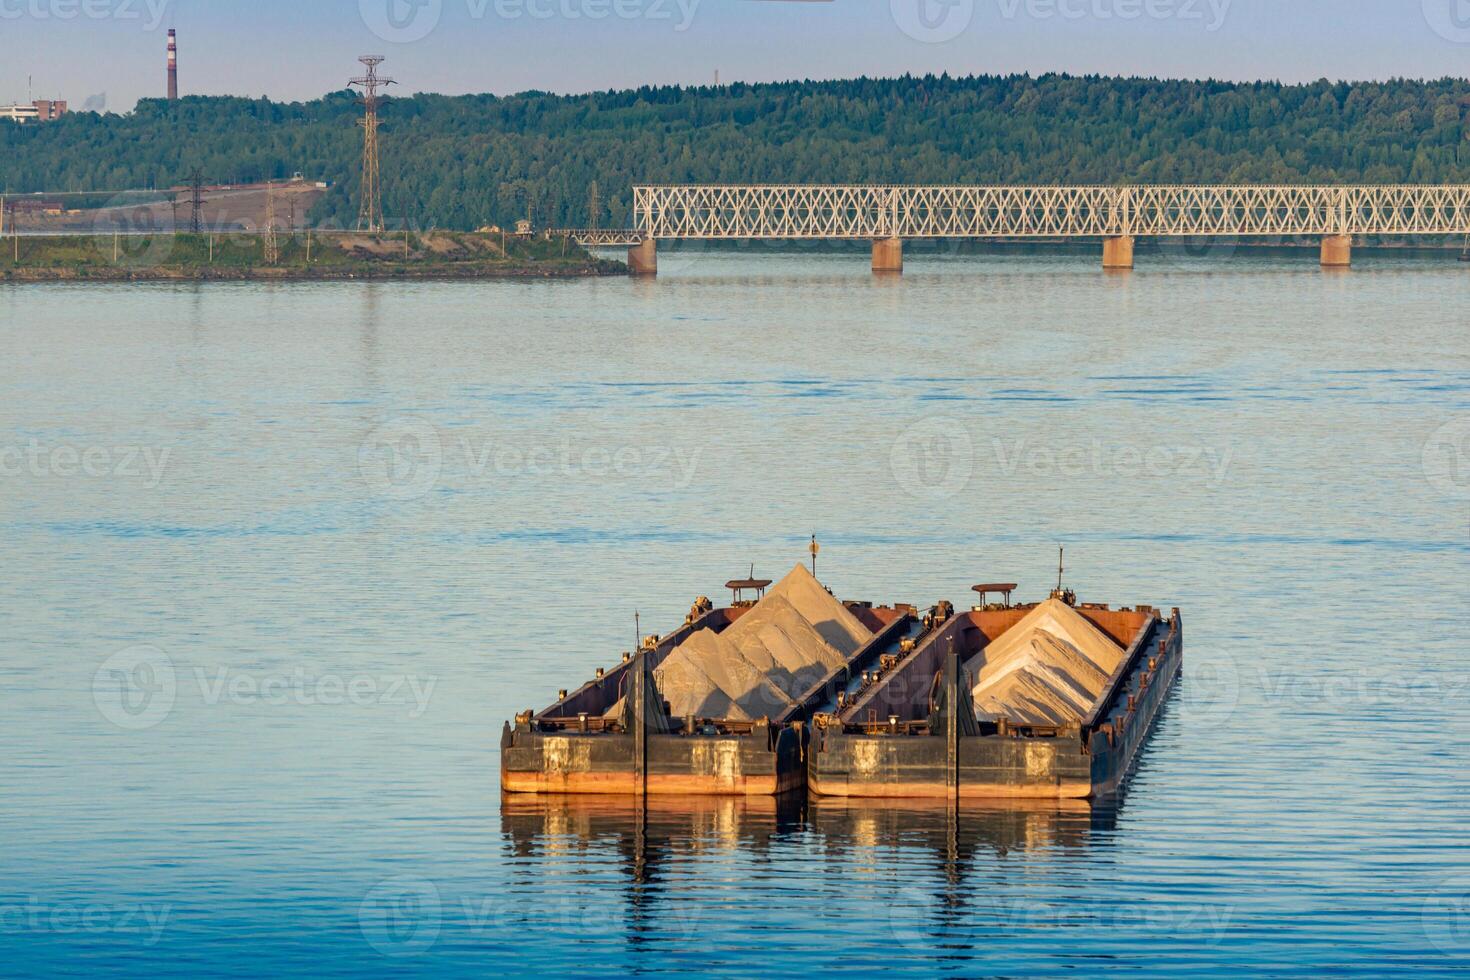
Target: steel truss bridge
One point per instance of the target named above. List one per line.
(797, 211)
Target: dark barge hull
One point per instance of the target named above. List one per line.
(902, 759)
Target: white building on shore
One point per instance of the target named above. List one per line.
(42, 110)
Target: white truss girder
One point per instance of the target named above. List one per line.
(897, 211)
(601, 236)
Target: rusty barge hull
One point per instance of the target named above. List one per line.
(876, 727)
(764, 763)
(902, 757)
(572, 747)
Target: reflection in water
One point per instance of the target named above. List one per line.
(646, 837)
(542, 826)
(858, 827)
(950, 852)
(852, 830)
(942, 854)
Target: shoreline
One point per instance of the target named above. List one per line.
(316, 274)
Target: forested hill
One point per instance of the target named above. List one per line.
(460, 162)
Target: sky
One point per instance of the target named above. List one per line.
(112, 51)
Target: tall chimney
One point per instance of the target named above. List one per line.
(173, 66)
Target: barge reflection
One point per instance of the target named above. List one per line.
(934, 869)
(854, 831)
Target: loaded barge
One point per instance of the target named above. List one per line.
(793, 689)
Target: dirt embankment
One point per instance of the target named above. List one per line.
(109, 257)
(224, 210)
(268, 274)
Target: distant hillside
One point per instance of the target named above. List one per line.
(460, 162)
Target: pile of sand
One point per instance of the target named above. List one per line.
(787, 642)
(1048, 669)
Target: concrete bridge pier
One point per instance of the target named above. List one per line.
(888, 255)
(1118, 252)
(643, 258)
(1337, 251)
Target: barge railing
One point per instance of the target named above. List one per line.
(824, 691)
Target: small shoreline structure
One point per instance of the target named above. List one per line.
(792, 689)
(304, 256)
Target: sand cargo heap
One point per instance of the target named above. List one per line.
(792, 689)
(789, 640)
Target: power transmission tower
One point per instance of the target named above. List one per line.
(272, 248)
(196, 201)
(370, 212)
(594, 205)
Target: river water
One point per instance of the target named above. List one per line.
(281, 559)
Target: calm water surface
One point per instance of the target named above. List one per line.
(281, 559)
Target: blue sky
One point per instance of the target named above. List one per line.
(295, 50)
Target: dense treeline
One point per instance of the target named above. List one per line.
(460, 162)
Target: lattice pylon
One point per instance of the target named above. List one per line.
(370, 208)
(272, 248)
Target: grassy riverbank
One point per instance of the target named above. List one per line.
(331, 255)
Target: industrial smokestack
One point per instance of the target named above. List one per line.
(173, 66)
